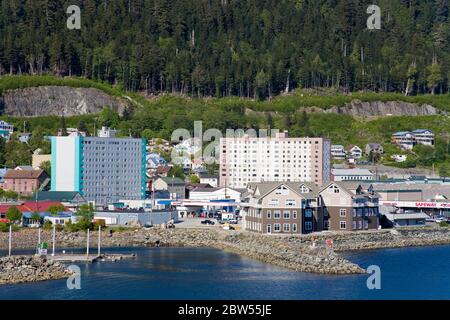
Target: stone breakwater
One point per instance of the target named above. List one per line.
(19, 269)
(293, 252)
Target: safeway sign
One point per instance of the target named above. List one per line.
(419, 205)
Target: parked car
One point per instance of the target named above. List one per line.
(233, 221)
(440, 219)
(208, 222)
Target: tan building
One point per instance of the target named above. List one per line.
(38, 159)
(245, 160)
(282, 208)
(350, 206)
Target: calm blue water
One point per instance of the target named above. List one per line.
(186, 273)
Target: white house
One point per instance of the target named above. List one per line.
(354, 152)
(212, 180)
(338, 152)
(61, 218)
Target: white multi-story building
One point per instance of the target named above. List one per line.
(246, 159)
(424, 136)
(338, 152)
(102, 169)
(6, 129)
(408, 140)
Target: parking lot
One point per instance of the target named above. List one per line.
(196, 223)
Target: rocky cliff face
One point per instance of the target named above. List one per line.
(379, 109)
(55, 100)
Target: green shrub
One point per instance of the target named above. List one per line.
(48, 225)
(82, 225)
(443, 224)
(4, 227)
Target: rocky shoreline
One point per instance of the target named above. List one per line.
(20, 269)
(306, 253)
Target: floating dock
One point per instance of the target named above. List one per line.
(89, 258)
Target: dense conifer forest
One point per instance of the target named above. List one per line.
(251, 48)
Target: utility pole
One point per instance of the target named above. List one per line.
(10, 240)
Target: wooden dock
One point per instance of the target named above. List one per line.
(73, 258)
(90, 258)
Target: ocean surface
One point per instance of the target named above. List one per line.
(201, 273)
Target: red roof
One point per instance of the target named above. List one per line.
(4, 208)
(31, 206)
(40, 206)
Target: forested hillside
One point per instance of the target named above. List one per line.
(232, 47)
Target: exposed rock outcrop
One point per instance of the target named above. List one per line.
(379, 108)
(58, 100)
(19, 269)
(357, 108)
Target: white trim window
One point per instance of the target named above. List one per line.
(343, 225)
(269, 228)
(291, 203)
(286, 227)
(282, 190)
(276, 227)
(294, 227)
(304, 189)
(277, 214)
(269, 214)
(286, 214)
(274, 202)
(334, 189)
(294, 214)
(342, 213)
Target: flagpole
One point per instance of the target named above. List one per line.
(54, 239)
(99, 238)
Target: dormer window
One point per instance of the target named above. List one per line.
(282, 190)
(334, 189)
(304, 189)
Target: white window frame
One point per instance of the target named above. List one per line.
(288, 213)
(277, 213)
(286, 227)
(345, 225)
(291, 203)
(275, 225)
(274, 202)
(342, 213)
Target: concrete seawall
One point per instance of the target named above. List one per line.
(293, 252)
